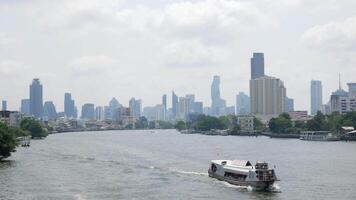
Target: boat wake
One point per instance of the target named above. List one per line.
(247, 188)
(191, 173)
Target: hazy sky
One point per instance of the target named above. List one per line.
(100, 49)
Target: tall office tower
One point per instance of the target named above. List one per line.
(99, 113)
(316, 97)
(183, 108)
(267, 97)
(174, 105)
(136, 108)
(164, 101)
(36, 98)
(4, 105)
(242, 104)
(217, 104)
(289, 105)
(25, 106)
(113, 105)
(191, 98)
(88, 111)
(352, 89)
(69, 106)
(49, 111)
(198, 107)
(257, 65)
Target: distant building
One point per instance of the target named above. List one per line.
(242, 104)
(164, 101)
(230, 110)
(335, 100)
(183, 108)
(113, 106)
(11, 118)
(246, 122)
(257, 65)
(206, 111)
(289, 104)
(267, 97)
(174, 105)
(316, 96)
(36, 98)
(49, 111)
(198, 108)
(136, 108)
(125, 116)
(347, 104)
(25, 106)
(4, 105)
(299, 115)
(99, 113)
(69, 105)
(217, 104)
(352, 89)
(88, 111)
(326, 109)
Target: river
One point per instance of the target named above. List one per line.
(168, 165)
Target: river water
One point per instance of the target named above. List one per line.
(169, 165)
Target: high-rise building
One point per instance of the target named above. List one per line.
(136, 108)
(4, 105)
(36, 98)
(316, 97)
(267, 97)
(257, 65)
(289, 105)
(164, 101)
(242, 104)
(25, 106)
(113, 106)
(69, 105)
(198, 108)
(174, 105)
(352, 89)
(183, 108)
(49, 111)
(88, 111)
(217, 104)
(99, 113)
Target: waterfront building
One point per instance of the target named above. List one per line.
(217, 104)
(289, 104)
(301, 115)
(316, 96)
(113, 106)
(174, 105)
(160, 112)
(99, 113)
(335, 100)
(257, 65)
(88, 111)
(347, 104)
(246, 122)
(136, 108)
(4, 105)
(242, 104)
(36, 98)
(11, 118)
(352, 89)
(125, 116)
(267, 97)
(69, 105)
(183, 109)
(25, 106)
(49, 111)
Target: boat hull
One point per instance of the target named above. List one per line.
(257, 185)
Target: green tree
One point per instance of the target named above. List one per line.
(281, 124)
(318, 123)
(34, 127)
(141, 123)
(181, 126)
(258, 124)
(8, 141)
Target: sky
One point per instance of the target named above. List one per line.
(99, 49)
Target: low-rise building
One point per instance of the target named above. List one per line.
(245, 122)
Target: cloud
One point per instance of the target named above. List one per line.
(6, 39)
(332, 36)
(11, 68)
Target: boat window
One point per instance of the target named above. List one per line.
(223, 162)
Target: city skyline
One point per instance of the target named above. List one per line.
(102, 48)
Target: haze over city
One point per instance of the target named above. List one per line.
(102, 49)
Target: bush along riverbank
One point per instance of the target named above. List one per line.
(9, 135)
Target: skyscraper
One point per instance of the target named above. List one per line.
(36, 98)
(4, 105)
(242, 103)
(352, 89)
(316, 97)
(69, 106)
(113, 106)
(257, 65)
(99, 113)
(88, 111)
(136, 108)
(49, 111)
(174, 104)
(289, 104)
(164, 101)
(25, 106)
(217, 104)
(267, 97)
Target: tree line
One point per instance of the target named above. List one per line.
(9, 135)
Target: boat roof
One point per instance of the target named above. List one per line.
(238, 163)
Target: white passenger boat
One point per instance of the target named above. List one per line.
(243, 173)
